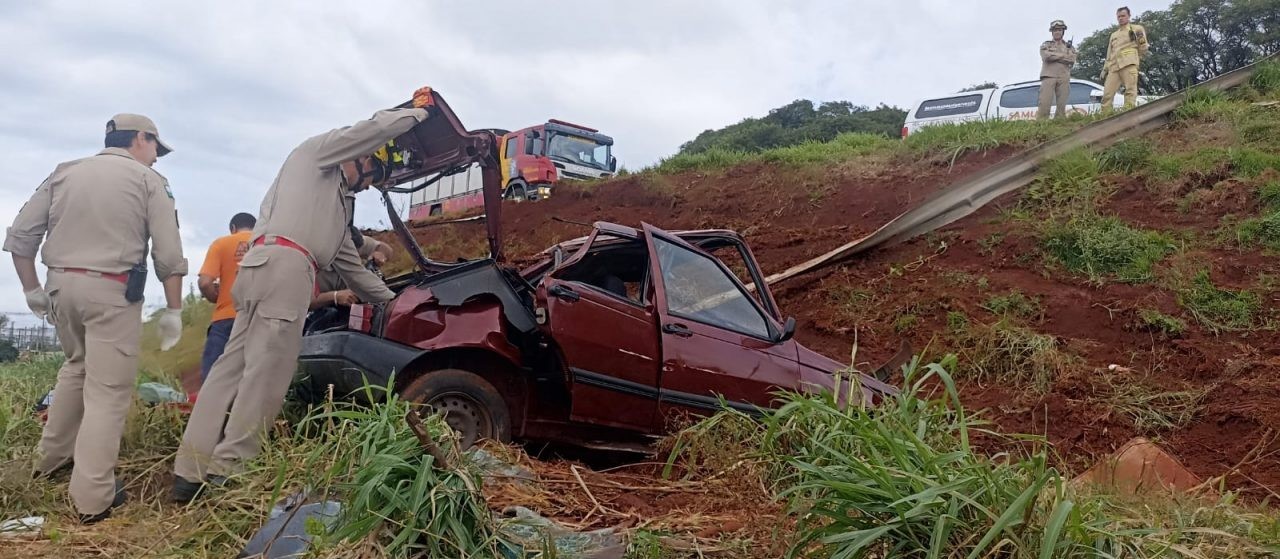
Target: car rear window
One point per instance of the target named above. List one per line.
(949, 106)
(1021, 98)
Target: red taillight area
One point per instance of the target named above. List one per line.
(361, 319)
(904, 131)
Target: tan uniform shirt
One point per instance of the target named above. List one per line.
(328, 279)
(1057, 59)
(99, 213)
(1127, 47)
(308, 205)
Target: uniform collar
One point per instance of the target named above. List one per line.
(117, 151)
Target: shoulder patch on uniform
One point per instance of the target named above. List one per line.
(167, 191)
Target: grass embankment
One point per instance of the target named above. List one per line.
(899, 480)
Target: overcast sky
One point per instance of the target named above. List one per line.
(235, 85)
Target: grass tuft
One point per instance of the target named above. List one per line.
(1266, 77)
(1260, 231)
(1205, 104)
(1006, 353)
(1068, 183)
(1014, 305)
(1152, 410)
(1156, 321)
(1106, 247)
(1216, 308)
(1126, 156)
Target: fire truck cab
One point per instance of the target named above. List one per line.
(533, 159)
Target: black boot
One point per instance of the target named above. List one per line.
(56, 475)
(117, 502)
(185, 490)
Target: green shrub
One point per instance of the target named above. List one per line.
(1219, 309)
(1126, 156)
(1260, 231)
(957, 321)
(1013, 304)
(1157, 321)
(1106, 247)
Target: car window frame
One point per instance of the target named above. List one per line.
(769, 326)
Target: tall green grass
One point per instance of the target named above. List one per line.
(953, 140)
(903, 479)
(844, 146)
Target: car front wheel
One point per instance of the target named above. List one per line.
(470, 404)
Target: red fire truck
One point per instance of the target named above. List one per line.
(532, 161)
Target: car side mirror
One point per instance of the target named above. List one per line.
(613, 164)
(788, 330)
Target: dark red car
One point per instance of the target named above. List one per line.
(603, 341)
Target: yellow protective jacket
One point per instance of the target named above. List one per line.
(1127, 47)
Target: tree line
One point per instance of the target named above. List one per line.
(797, 122)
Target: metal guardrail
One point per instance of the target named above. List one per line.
(971, 194)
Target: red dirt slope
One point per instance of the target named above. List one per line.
(789, 216)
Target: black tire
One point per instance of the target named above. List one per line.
(518, 191)
(471, 405)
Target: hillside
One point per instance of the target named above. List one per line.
(1156, 256)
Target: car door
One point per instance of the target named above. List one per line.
(716, 341)
(609, 342)
(1019, 103)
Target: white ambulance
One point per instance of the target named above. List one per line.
(1011, 102)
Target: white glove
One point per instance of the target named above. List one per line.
(38, 302)
(170, 327)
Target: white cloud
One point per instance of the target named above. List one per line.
(235, 85)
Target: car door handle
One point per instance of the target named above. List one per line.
(563, 293)
(677, 329)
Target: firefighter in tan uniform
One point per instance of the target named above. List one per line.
(1125, 50)
(302, 228)
(1057, 57)
(96, 216)
(331, 290)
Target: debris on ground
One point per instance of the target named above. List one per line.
(285, 535)
(21, 527)
(1140, 467)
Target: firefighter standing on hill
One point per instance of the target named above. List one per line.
(302, 228)
(1125, 50)
(99, 213)
(1057, 59)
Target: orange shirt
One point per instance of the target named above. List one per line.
(221, 263)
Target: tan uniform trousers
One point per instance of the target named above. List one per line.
(246, 386)
(1051, 88)
(99, 332)
(1128, 77)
